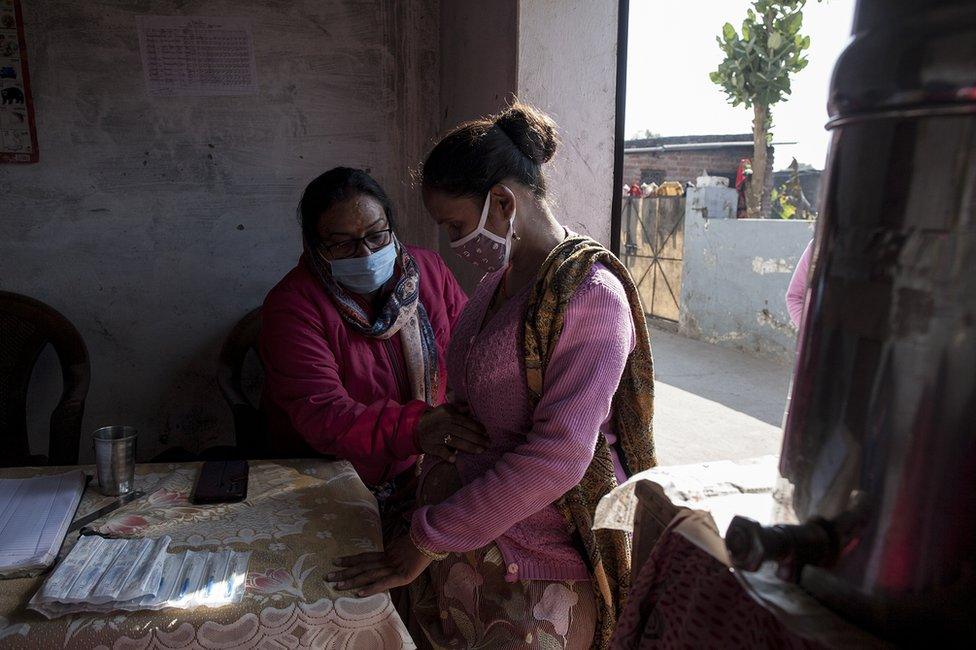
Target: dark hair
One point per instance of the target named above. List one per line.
(335, 186)
(478, 154)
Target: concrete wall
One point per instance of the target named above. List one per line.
(478, 75)
(734, 281)
(492, 52)
(712, 202)
(155, 223)
(567, 62)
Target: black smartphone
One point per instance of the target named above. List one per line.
(221, 481)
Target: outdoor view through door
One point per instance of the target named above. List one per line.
(718, 194)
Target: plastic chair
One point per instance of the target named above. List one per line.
(249, 425)
(26, 327)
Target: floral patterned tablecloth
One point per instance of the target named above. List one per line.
(298, 516)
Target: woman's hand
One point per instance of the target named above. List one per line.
(447, 429)
(373, 573)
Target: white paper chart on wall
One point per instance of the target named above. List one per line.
(18, 138)
(197, 55)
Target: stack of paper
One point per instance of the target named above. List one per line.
(104, 575)
(34, 517)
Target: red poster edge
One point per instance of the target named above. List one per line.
(25, 79)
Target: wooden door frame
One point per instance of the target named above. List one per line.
(616, 204)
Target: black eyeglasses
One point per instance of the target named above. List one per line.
(349, 247)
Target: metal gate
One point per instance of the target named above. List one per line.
(652, 247)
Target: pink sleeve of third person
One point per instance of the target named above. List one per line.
(796, 294)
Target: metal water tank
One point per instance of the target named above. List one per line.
(880, 441)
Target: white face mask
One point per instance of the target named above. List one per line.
(483, 248)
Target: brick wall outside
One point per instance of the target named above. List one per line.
(686, 165)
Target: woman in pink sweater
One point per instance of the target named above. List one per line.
(537, 357)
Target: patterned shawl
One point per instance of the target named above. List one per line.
(401, 311)
(607, 551)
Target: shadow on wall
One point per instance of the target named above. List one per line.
(191, 410)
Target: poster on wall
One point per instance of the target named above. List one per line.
(18, 137)
(197, 55)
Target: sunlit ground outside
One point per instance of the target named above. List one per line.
(715, 403)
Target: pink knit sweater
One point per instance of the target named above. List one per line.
(535, 455)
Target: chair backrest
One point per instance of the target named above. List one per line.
(26, 327)
(249, 426)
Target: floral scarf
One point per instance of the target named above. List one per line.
(607, 551)
(401, 312)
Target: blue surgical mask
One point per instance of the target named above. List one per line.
(366, 274)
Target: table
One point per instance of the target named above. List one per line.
(299, 515)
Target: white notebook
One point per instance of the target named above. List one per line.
(34, 517)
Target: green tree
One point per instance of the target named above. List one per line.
(755, 73)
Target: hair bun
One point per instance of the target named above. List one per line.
(532, 131)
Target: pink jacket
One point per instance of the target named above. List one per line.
(796, 295)
(331, 390)
(536, 455)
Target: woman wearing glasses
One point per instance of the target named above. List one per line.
(354, 340)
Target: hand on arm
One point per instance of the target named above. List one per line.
(447, 429)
